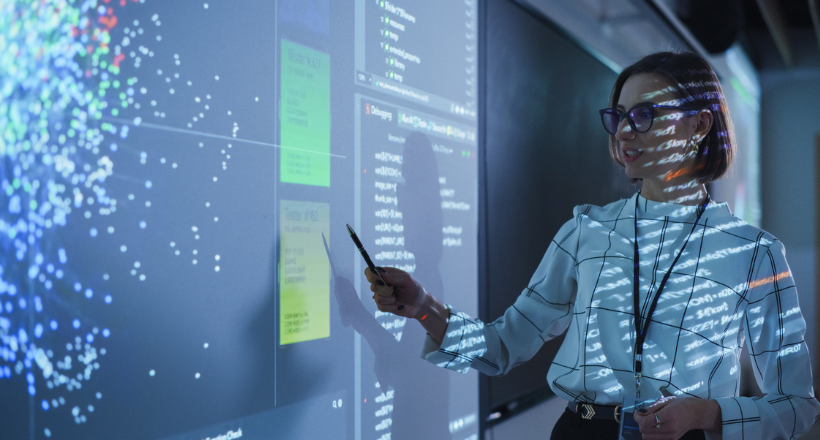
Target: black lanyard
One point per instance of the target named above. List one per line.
(642, 328)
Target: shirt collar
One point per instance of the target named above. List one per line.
(650, 208)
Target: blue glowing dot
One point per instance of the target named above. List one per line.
(76, 323)
(7, 370)
(62, 256)
(78, 287)
(148, 184)
(59, 274)
(50, 268)
(12, 290)
(9, 306)
(143, 225)
(108, 299)
(38, 304)
(30, 377)
(22, 303)
(106, 333)
(89, 293)
(99, 395)
(113, 147)
(48, 285)
(89, 337)
(45, 405)
(53, 324)
(31, 390)
(38, 330)
(93, 232)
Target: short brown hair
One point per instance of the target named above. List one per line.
(697, 87)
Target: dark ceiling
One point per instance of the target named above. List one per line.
(776, 34)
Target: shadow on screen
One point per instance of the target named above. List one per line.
(421, 399)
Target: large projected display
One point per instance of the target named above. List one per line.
(176, 178)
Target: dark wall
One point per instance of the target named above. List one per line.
(545, 152)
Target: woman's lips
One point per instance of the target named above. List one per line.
(630, 154)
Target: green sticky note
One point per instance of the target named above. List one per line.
(304, 116)
(304, 271)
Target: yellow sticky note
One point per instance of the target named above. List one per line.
(304, 279)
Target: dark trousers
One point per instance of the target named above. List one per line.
(572, 427)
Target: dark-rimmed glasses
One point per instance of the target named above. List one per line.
(639, 117)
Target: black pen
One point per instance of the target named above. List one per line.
(364, 253)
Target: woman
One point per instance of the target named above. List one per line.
(702, 280)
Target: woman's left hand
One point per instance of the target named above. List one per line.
(677, 417)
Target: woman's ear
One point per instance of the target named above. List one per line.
(704, 123)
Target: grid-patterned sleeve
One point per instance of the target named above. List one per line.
(780, 359)
(541, 312)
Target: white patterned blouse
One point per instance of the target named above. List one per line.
(730, 285)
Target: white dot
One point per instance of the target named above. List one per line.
(206, 7)
(137, 264)
(110, 229)
(207, 204)
(194, 262)
(142, 277)
(174, 165)
(214, 178)
(123, 248)
(133, 272)
(216, 219)
(173, 244)
(196, 237)
(152, 373)
(217, 257)
(130, 197)
(176, 252)
(194, 228)
(216, 269)
(196, 375)
(162, 160)
(216, 77)
(229, 112)
(206, 345)
(147, 203)
(257, 99)
(195, 251)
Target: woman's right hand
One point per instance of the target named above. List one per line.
(402, 296)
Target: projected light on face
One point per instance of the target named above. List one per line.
(659, 133)
(63, 100)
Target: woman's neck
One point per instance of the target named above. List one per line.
(682, 192)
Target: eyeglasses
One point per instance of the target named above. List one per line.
(639, 117)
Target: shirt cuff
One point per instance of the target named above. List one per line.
(740, 415)
(463, 342)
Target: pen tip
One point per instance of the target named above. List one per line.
(349, 229)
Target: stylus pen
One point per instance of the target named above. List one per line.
(364, 253)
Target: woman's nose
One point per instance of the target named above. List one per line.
(625, 131)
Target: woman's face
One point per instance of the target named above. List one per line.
(666, 151)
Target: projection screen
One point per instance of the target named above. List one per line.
(170, 170)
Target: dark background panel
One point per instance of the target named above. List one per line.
(545, 152)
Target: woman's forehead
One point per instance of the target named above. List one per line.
(646, 87)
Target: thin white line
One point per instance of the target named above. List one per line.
(217, 136)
